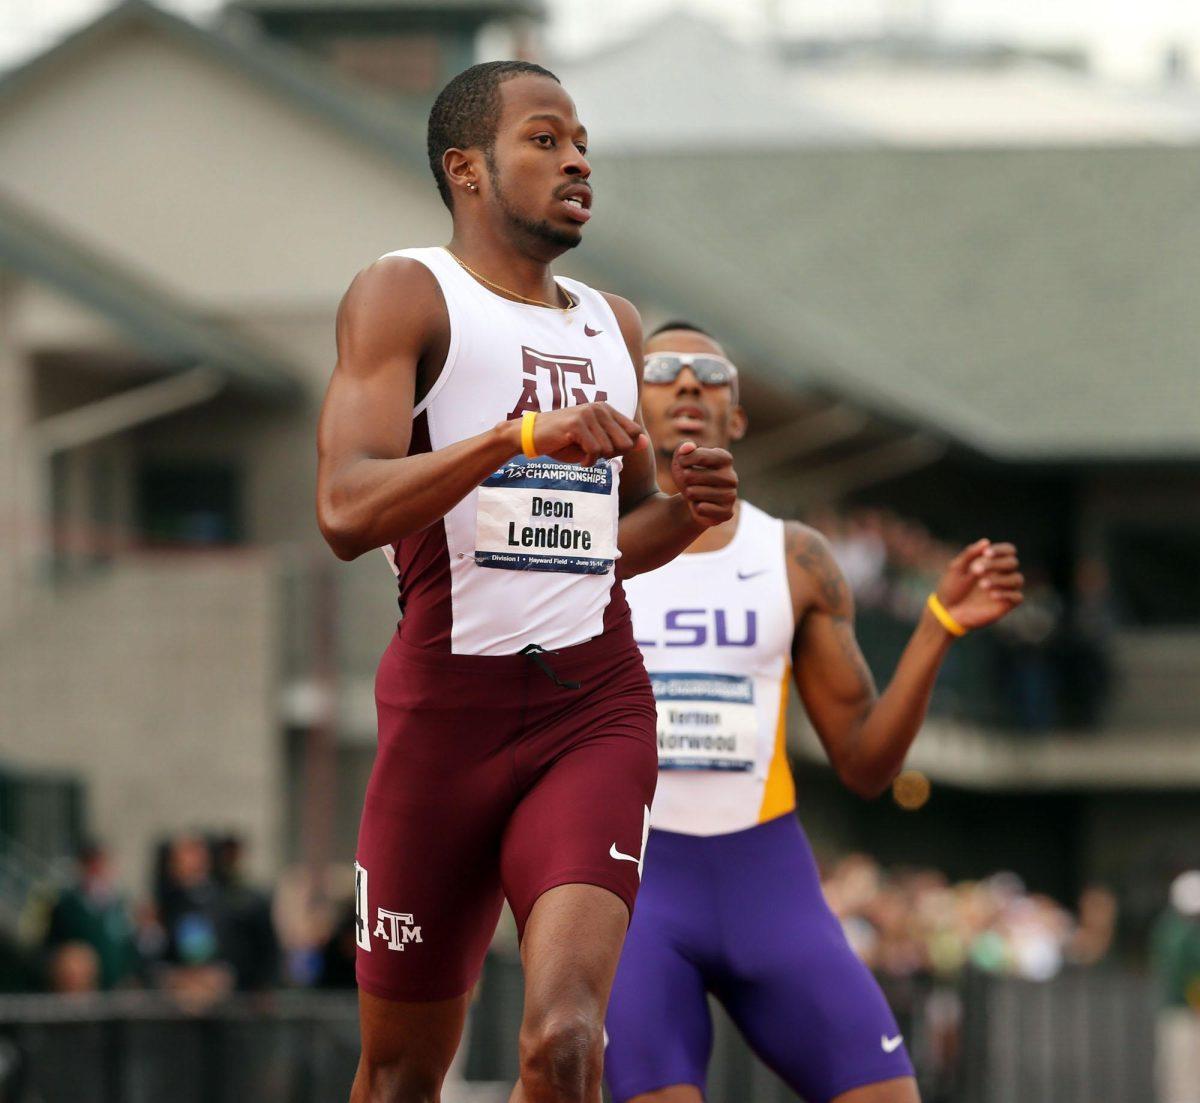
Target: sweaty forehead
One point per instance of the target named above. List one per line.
(533, 94)
(682, 340)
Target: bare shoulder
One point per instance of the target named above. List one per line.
(394, 305)
(813, 568)
(391, 282)
(622, 308)
(628, 318)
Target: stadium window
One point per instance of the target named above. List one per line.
(59, 511)
(190, 504)
(1155, 582)
(103, 497)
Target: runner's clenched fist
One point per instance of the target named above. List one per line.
(707, 482)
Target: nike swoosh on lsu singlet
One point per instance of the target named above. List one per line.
(589, 332)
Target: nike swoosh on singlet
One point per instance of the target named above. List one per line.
(890, 1045)
(744, 575)
(588, 331)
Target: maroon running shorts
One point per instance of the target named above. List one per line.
(492, 781)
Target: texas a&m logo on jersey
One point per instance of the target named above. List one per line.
(395, 928)
(563, 378)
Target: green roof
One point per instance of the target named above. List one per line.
(159, 324)
(1034, 304)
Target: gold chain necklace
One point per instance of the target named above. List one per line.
(572, 302)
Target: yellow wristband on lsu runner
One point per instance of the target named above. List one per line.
(527, 420)
(944, 618)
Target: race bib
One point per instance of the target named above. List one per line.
(705, 721)
(542, 515)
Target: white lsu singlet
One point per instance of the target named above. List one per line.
(715, 629)
(528, 556)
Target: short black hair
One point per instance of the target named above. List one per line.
(679, 323)
(467, 111)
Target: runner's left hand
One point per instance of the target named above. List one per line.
(706, 481)
(982, 583)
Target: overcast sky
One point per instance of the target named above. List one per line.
(1128, 38)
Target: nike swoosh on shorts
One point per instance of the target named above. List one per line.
(613, 852)
(890, 1045)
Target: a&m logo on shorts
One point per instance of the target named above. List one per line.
(396, 928)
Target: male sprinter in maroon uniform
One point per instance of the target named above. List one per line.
(482, 422)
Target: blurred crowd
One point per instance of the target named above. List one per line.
(205, 932)
(914, 922)
(1045, 665)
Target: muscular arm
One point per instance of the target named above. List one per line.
(369, 491)
(656, 527)
(865, 734)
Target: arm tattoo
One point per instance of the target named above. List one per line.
(811, 554)
(844, 629)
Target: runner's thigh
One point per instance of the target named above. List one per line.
(586, 766)
(428, 858)
(585, 819)
(658, 1025)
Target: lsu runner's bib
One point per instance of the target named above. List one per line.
(543, 515)
(705, 721)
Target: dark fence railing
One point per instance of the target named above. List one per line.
(143, 1047)
(1085, 1037)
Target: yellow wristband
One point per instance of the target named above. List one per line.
(944, 618)
(527, 420)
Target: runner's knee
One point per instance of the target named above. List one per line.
(561, 1057)
(903, 1089)
(396, 1082)
(677, 1093)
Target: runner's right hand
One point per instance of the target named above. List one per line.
(585, 434)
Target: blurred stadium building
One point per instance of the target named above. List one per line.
(960, 284)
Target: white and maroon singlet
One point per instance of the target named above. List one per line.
(528, 556)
